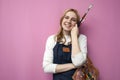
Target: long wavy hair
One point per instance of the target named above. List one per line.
(59, 36)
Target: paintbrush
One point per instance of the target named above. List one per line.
(83, 17)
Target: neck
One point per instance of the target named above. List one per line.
(67, 33)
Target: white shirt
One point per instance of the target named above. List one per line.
(77, 60)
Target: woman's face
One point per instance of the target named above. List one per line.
(69, 21)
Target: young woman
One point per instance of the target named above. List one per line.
(66, 50)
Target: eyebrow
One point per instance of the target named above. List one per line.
(74, 18)
(68, 16)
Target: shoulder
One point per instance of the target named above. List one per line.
(51, 37)
(82, 36)
(51, 40)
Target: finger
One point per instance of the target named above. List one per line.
(76, 25)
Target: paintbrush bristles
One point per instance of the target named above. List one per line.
(90, 6)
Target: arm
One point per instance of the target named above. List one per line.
(75, 45)
(79, 47)
(79, 53)
(48, 65)
(64, 67)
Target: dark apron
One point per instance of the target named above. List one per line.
(62, 57)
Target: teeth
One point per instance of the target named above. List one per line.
(67, 24)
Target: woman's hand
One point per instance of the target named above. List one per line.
(74, 31)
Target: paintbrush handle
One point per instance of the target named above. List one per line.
(79, 23)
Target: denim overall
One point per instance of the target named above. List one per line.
(61, 57)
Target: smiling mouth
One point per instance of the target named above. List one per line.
(67, 24)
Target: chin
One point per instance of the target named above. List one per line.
(68, 30)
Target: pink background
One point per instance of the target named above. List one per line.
(26, 24)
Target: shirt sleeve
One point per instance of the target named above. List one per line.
(80, 58)
(48, 65)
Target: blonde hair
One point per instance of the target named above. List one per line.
(60, 35)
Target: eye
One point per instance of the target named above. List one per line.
(66, 17)
(74, 19)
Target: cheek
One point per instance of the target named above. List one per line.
(63, 22)
(73, 23)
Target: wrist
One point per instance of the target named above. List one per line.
(74, 37)
(73, 67)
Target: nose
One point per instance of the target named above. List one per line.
(69, 20)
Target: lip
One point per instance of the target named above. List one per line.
(67, 24)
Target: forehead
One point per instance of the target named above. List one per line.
(71, 14)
